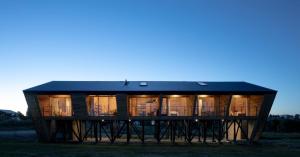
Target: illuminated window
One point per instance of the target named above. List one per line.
(101, 105)
(55, 105)
(176, 105)
(143, 105)
(239, 105)
(242, 105)
(255, 102)
(205, 106)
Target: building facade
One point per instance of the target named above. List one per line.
(149, 111)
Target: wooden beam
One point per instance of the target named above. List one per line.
(96, 131)
(128, 131)
(143, 132)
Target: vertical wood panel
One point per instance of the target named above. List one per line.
(41, 127)
(79, 105)
(262, 117)
(122, 105)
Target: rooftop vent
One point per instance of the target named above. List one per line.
(126, 82)
(202, 83)
(143, 84)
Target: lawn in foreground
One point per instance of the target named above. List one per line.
(24, 149)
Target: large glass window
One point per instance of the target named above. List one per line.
(55, 105)
(255, 102)
(239, 105)
(143, 105)
(101, 105)
(176, 105)
(205, 105)
(245, 105)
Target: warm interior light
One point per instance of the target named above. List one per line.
(143, 96)
(175, 96)
(203, 96)
(236, 96)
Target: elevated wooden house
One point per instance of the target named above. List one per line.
(124, 111)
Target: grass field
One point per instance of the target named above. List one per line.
(282, 145)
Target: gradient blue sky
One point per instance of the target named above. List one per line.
(251, 40)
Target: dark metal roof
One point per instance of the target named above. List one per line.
(152, 86)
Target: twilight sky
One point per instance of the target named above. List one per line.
(257, 41)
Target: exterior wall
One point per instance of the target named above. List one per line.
(41, 127)
(262, 117)
(224, 105)
(45, 108)
(122, 106)
(79, 105)
(191, 103)
(217, 105)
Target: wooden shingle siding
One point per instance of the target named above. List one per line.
(79, 106)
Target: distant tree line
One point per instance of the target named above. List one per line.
(283, 123)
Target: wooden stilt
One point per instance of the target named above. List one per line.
(128, 131)
(199, 132)
(80, 132)
(226, 129)
(112, 139)
(96, 131)
(213, 131)
(204, 131)
(157, 124)
(143, 132)
(234, 131)
(220, 131)
(100, 130)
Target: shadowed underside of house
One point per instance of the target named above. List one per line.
(145, 111)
